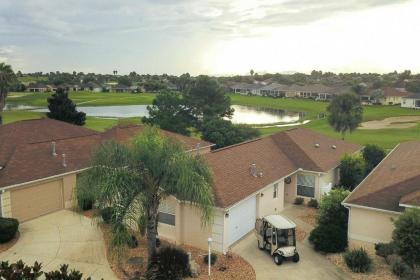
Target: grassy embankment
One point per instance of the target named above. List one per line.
(386, 138)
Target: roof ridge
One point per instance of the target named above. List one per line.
(237, 144)
(61, 139)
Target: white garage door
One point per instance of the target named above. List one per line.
(242, 219)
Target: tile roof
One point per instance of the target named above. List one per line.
(26, 149)
(276, 156)
(398, 175)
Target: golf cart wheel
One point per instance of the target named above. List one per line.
(277, 259)
(259, 247)
(296, 258)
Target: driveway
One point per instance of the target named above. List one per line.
(63, 237)
(312, 265)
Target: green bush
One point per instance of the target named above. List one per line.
(373, 155)
(169, 263)
(313, 203)
(385, 249)
(107, 214)
(213, 259)
(8, 229)
(329, 238)
(352, 171)
(132, 242)
(299, 201)
(401, 269)
(84, 194)
(392, 258)
(64, 274)
(406, 236)
(358, 260)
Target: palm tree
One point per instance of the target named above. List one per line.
(7, 76)
(133, 179)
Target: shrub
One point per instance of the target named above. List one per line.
(373, 155)
(406, 236)
(169, 263)
(132, 242)
(330, 209)
(299, 200)
(358, 260)
(392, 258)
(84, 194)
(64, 274)
(401, 269)
(106, 214)
(8, 229)
(20, 270)
(329, 238)
(313, 203)
(385, 249)
(213, 259)
(352, 171)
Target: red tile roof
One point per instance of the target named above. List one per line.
(397, 176)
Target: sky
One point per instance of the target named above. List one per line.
(215, 37)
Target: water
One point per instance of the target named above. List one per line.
(242, 114)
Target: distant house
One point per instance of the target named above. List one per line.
(122, 88)
(246, 89)
(37, 87)
(411, 101)
(91, 86)
(275, 90)
(384, 194)
(390, 96)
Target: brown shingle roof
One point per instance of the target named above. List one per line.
(395, 177)
(276, 156)
(26, 149)
(412, 199)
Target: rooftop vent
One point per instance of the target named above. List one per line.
(54, 153)
(260, 174)
(253, 170)
(333, 147)
(316, 145)
(64, 160)
(393, 167)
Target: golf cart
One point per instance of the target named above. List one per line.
(277, 235)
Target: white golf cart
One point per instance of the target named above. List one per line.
(277, 235)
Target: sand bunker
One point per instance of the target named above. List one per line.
(394, 122)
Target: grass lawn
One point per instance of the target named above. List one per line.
(83, 98)
(386, 138)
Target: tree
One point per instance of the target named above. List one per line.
(7, 78)
(359, 89)
(406, 236)
(63, 109)
(352, 171)
(223, 133)
(135, 178)
(373, 155)
(377, 95)
(124, 80)
(413, 86)
(206, 99)
(345, 113)
(169, 113)
(251, 72)
(330, 234)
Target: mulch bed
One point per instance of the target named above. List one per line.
(235, 267)
(380, 269)
(310, 215)
(5, 246)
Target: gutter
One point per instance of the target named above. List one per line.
(349, 205)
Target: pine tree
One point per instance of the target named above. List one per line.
(63, 109)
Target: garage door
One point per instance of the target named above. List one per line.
(242, 219)
(32, 202)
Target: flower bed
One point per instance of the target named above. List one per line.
(233, 266)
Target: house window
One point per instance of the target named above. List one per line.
(306, 185)
(166, 213)
(275, 190)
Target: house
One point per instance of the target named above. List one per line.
(40, 161)
(383, 195)
(275, 90)
(122, 88)
(246, 89)
(254, 179)
(389, 96)
(37, 87)
(411, 101)
(91, 86)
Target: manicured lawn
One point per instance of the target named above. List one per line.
(386, 138)
(82, 98)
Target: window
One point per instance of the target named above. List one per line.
(275, 190)
(166, 213)
(306, 185)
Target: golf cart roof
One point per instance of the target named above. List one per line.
(280, 222)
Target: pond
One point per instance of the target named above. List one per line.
(242, 114)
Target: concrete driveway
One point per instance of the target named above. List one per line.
(62, 237)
